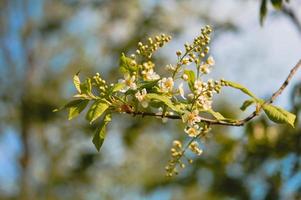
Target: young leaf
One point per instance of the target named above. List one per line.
(279, 115)
(76, 82)
(191, 78)
(127, 65)
(246, 104)
(96, 110)
(86, 87)
(117, 87)
(163, 99)
(100, 133)
(215, 114)
(76, 107)
(263, 11)
(241, 88)
(277, 4)
(148, 84)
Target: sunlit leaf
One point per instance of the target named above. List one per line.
(246, 104)
(117, 87)
(127, 65)
(241, 88)
(191, 78)
(279, 115)
(96, 110)
(100, 133)
(215, 114)
(76, 107)
(164, 99)
(76, 82)
(86, 87)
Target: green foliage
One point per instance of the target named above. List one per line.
(279, 115)
(277, 4)
(191, 78)
(115, 88)
(216, 115)
(127, 65)
(165, 100)
(241, 88)
(76, 82)
(263, 11)
(96, 110)
(76, 107)
(100, 133)
(246, 104)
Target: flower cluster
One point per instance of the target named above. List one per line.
(182, 93)
(200, 95)
(99, 82)
(176, 153)
(152, 45)
(194, 147)
(144, 92)
(148, 72)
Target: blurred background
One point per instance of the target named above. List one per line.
(43, 43)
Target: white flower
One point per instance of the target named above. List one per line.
(150, 75)
(210, 61)
(185, 77)
(205, 68)
(198, 85)
(192, 131)
(205, 102)
(166, 84)
(191, 117)
(181, 90)
(170, 67)
(141, 96)
(129, 82)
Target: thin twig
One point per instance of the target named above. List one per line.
(226, 123)
(286, 82)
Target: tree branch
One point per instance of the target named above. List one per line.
(225, 123)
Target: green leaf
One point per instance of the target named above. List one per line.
(148, 84)
(96, 110)
(263, 11)
(279, 115)
(241, 88)
(76, 82)
(127, 65)
(100, 133)
(76, 107)
(191, 78)
(246, 104)
(86, 87)
(277, 4)
(163, 99)
(117, 87)
(215, 114)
